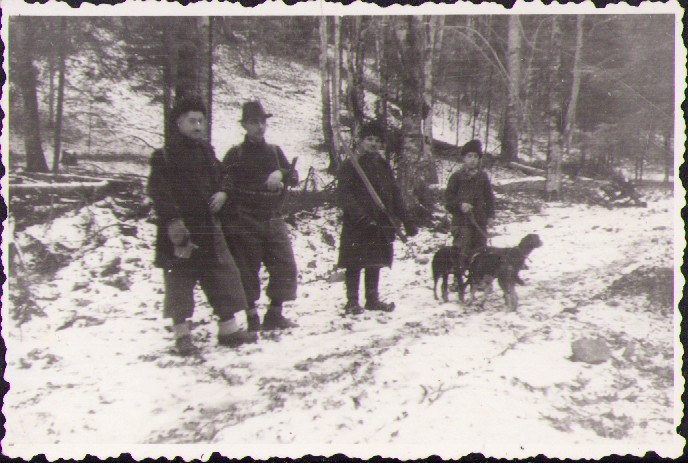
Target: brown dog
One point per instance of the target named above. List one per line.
(502, 264)
(446, 262)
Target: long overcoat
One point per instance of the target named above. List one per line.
(362, 244)
(182, 179)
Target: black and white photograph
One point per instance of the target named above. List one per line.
(325, 229)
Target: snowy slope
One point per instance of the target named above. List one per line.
(429, 378)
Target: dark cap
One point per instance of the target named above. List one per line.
(253, 110)
(188, 104)
(473, 146)
(372, 128)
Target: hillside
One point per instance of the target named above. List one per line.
(92, 368)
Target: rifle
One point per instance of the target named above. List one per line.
(285, 179)
(396, 224)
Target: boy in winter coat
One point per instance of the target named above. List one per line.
(256, 173)
(185, 186)
(367, 236)
(470, 200)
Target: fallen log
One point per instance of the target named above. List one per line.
(528, 169)
(45, 187)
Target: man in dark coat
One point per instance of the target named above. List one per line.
(367, 236)
(470, 200)
(256, 174)
(185, 186)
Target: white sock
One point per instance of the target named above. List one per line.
(227, 327)
(181, 330)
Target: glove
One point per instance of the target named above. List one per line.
(410, 228)
(184, 251)
(178, 233)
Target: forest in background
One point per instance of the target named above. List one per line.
(578, 94)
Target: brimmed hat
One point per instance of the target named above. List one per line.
(253, 110)
(187, 104)
(372, 128)
(473, 146)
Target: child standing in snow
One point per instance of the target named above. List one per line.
(470, 200)
(367, 237)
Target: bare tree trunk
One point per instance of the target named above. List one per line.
(458, 114)
(354, 90)
(668, 156)
(169, 72)
(209, 89)
(51, 93)
(434, 31)
(416, 170)
(57, 146)
(188, 59)
(575, 83)
(325, 97)
(510, 135)
(476, 110)
(336, 85)
(25, 78)
(487, 117)
(553, 181)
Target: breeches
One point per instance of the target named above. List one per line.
(263, 240)
(220, 283)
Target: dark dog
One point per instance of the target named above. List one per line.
(502, 264)
(446, 262)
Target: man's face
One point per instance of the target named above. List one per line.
(371, 144)
(471, 160)
(255, 128)
(192, 124)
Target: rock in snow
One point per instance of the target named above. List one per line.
(590, 351)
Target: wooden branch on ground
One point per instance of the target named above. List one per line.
(528, 169)
(58, 187)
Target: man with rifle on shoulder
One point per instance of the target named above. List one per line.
(372, 208)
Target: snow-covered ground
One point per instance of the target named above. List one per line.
(99, 370)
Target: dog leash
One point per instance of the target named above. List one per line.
(475, 224)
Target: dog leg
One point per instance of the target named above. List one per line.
(434, 289)
(514, 299)
(486, 293)
(461, 286)
(445, 287)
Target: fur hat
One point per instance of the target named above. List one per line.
(253, 110)
(187, 104)
(473, 146)
(372, 128)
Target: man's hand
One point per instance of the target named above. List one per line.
(185, 251)
(274, 181)
(178, 233)
(466, 208)
(217, 201)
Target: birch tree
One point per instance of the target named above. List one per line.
(510, 134)
(554, 116)
(326, 111)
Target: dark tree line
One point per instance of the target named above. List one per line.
(578, 90)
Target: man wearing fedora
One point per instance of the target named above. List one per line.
(256, 173)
